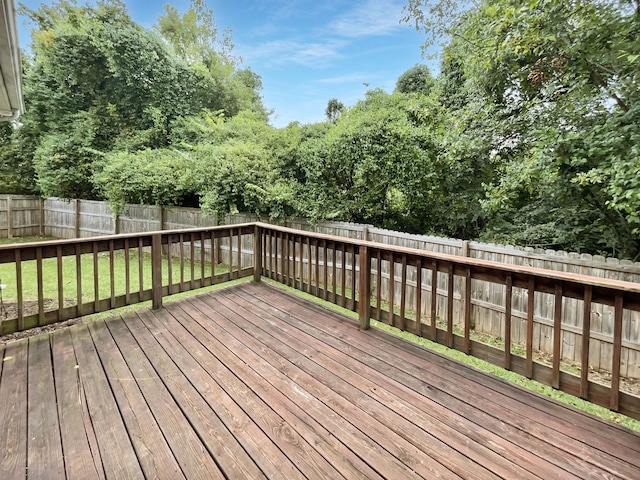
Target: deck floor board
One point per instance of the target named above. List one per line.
(253, 382)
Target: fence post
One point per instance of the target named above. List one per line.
(77, 221)
(42, 222)
(257, 253)
(156, 271)
(9, 216)
(364, 306)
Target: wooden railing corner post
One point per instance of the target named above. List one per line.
(364, 292)
(257, 253)
(156, 271)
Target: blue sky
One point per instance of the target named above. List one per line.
(306, 51)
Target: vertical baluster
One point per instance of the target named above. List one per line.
(434, 300)
(309, 263)
(127, 272)
(531, 293)
(403, 293)
(140, 267)
(379, 285)
(181, 253)
(60, 281)
(418, 329)
(293, 261)
(280, 251)
(40, 274)
(586, 334)
(18, 258)
(239, 259)
(96, 280)
(557, 336)
(170, 264)
(79, 279)
(614, 403)
(326, 270)
(112, 274)
(192, 261)
(353, 278)
(392, 288)
(450, 278)
(334, 281)
(270, 253)
(507, 322)
(317, 265)
(467, 311)
(203, 259)
(343, 275)
(214, 256)
(287, 280)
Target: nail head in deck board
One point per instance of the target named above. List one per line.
(81, 460)
(156, 458)
(118, 456)
(13, 411)
(44, 445)
(192, 456)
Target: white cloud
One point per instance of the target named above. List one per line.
(348, 78)
(307, 53)
(371, 18)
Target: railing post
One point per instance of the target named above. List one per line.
(364, 292)
(257, 253)
(156, 271)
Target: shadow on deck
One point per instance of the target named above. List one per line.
(252, 382)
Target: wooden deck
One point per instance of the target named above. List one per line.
(252, 382)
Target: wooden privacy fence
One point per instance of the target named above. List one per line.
(82, 218)
(346, 272)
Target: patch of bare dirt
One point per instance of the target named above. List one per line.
(30, 307)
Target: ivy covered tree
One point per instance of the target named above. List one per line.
(98, 82)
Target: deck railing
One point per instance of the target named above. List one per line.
(92, 275)
(99, 274)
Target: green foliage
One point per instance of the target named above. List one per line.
(334, 109)
(100, 83)
(152, 177)
(417, 79)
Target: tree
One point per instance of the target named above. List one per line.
(334, 110)
(417, 79)
(561, 82)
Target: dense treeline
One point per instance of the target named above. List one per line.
(530, 133)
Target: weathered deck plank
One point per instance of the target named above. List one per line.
(251, 382)
(13, 411)
(44, 445)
